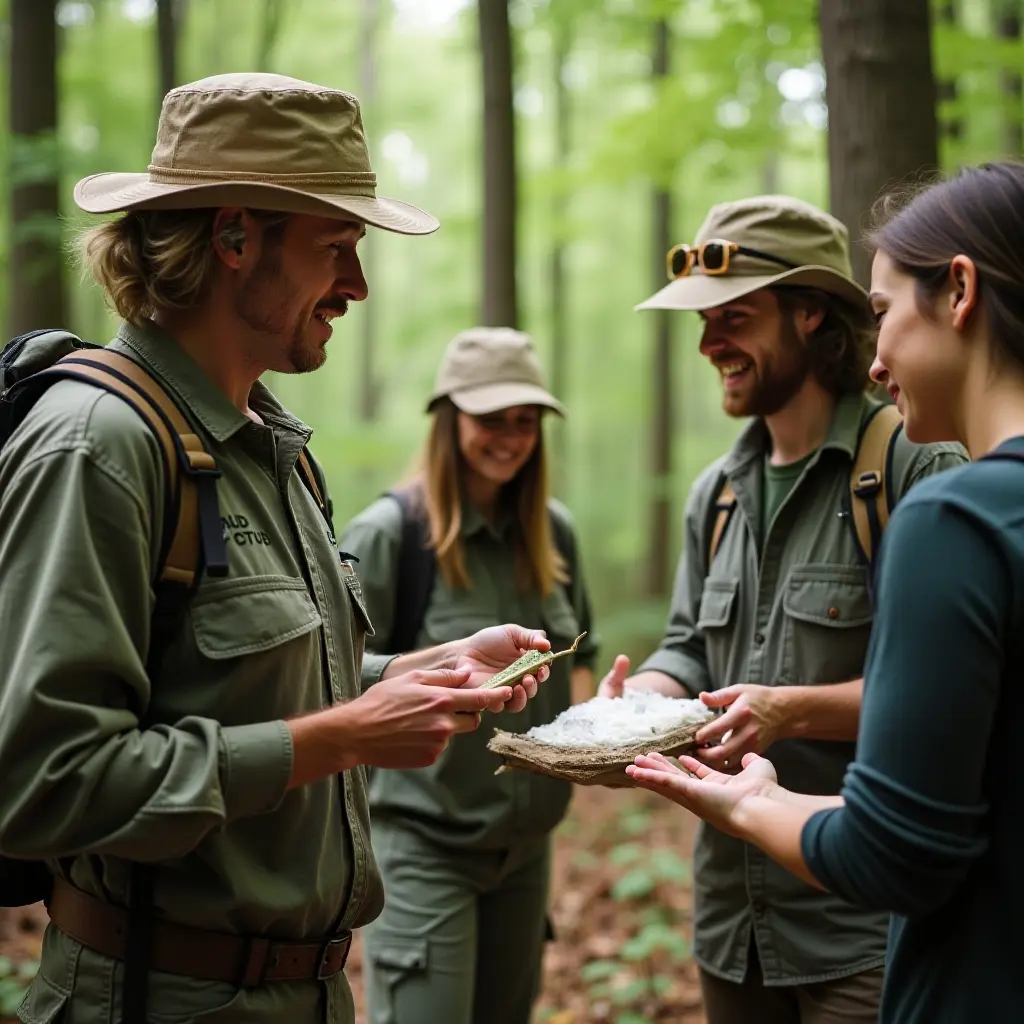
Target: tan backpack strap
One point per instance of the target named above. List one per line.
(869, 488)
(305, 467)
(724, 505)
(186, 459)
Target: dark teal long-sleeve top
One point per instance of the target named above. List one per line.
(933, 826)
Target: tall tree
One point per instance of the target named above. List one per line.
(270, 32)
(1008, 26)
(560, 42)
(499, 305)
(881, 96)
(37, 279)
(167, 16)
(367, 381)
(658, 567)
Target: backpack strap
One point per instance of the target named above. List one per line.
(725, 503)
(417, 570)
(309, 477)
(193, 533)
(871, 494)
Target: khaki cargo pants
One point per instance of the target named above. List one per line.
(462, 933)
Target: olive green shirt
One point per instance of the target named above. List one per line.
(459, 801)
(790, 608)
(188, 774)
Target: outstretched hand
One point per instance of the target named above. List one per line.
(490, 650)
(714, 796)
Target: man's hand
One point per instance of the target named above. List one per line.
(711, 795)
(488, 651)
(618, 680)
(404, 722)
(755, 719)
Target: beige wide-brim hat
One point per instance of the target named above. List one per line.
(486, 369)
(262, 141)
(814, 242)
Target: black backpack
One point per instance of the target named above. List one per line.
(417, 567)
(192, 543)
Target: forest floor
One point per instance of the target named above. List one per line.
(620, 906)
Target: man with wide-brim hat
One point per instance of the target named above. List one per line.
(771, 612)
(204, 811)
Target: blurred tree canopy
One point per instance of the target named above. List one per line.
(629, 119)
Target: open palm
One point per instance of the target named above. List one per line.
(711, 795)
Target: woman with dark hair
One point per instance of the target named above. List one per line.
(464, 853)
(929, 822)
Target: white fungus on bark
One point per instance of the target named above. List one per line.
(619, 721)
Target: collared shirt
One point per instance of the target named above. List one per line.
(791, 607)
(190, 773)
(459, 801)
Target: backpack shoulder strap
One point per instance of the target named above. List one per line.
(417, 570)
(725, 503)
(309, 476)
(193, 534)
(871, 494)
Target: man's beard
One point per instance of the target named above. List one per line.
(779, 378)
(259, 307)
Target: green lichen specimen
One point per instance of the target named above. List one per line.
(527, 665)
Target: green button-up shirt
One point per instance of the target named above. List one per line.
(459, 801)
(791, 607)
(190, 773)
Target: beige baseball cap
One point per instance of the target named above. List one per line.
(486, 369)
(798, 245)
(259, 140)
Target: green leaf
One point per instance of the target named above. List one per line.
(599, 970)
(634, 885)
(625, 853)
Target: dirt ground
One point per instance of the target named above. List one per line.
(621, 912)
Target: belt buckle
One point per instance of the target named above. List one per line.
(322, 967)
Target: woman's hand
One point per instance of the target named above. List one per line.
(717, 798)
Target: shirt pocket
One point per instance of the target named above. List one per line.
(828, 616)
(716, 621)
(250, 616)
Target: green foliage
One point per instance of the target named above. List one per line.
(729, 119)
(14, 979)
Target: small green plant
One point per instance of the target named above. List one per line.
(14, 979)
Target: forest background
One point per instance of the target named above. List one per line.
(564, 145)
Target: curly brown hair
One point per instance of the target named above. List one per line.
(841, 348)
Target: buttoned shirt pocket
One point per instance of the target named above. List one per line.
(716, 621)
(828, 617)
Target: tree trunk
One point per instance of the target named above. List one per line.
(559, 304)
(881, 103)
(1008, 26)
(367, 402)
(167, 46)
(658, 568)
(270, 31)
(37, 296)
(499, 306)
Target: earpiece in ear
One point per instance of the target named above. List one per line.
(232, 235)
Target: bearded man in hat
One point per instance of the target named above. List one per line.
(232, 771)
(772, 611)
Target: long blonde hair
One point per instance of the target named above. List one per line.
(439, 478)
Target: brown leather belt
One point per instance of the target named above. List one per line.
(213, 956)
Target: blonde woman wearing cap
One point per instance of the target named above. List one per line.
(465, 853)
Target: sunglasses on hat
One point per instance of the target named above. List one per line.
(713, 257)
